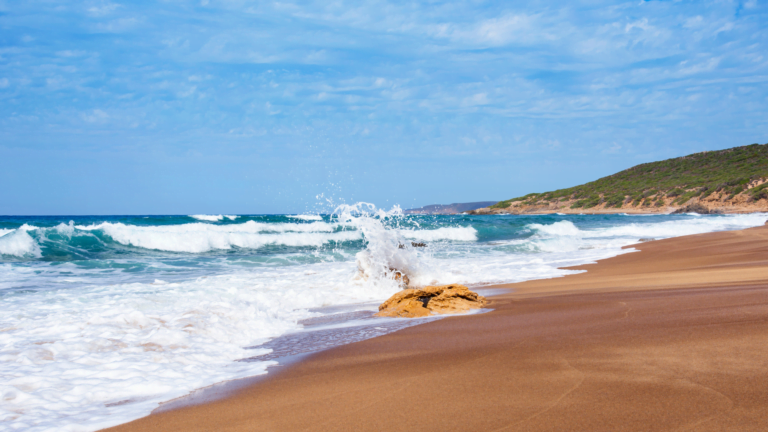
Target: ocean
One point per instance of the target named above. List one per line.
(102, 318)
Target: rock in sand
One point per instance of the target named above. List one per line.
(444, 299)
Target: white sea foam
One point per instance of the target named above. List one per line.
(675, 228)
(96, 357)
(213, 218)
(662, 229)
(445, 233)
(106, 354)
(562, 228)
(247, 227)
(200, 237)
(19, 243)
(307, 217)
(561, 244)
(204, 237)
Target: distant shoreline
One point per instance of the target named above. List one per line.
(597, 211)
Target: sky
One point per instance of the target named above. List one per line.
(249, 107)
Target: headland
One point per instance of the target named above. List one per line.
(734, 180)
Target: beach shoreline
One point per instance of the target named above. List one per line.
(634, 211)
(668, 337)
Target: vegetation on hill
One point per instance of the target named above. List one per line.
(698, 175)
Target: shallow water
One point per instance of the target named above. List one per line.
(103, 318)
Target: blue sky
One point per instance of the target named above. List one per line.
(177, 107)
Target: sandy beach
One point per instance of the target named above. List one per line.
(673, 337)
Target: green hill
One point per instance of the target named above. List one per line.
(726, 172)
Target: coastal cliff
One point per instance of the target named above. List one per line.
(727, 181)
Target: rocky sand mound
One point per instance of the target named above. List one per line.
(444, 299)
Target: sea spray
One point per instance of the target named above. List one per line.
(386, 251)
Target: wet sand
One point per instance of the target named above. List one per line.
(674, 337)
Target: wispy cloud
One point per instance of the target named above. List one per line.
(95, 116)
(423, 76)
(103, 8)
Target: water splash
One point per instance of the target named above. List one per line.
(387, 255)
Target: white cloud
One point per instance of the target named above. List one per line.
(4, 82)
(200, 78)
(613, 149)
(511, 28)
(724, 28)
(504, 30)
(694, 22)
(476, 99)
(707, 66)
(54, 82)
(269, 109)
(188, 92)
(400, 94)
(102, 9)
(96, 116)
(117, 25)
(383, 59)
(640, 24)
(71, 53)
(316, 57)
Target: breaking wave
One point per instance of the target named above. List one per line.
(213, 218)
(197, 237)
(662, 229)
(200, 237)
(207, 241)
(562, 228)
(445, 233)
(306, 217)
(19, 243)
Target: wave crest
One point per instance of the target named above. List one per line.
(562, 228)
(306, 217)
(213, 218)
(19, 243)
(445, 233)
(198, 237)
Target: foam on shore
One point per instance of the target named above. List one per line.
(104, 337)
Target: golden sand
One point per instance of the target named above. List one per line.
(674, 337)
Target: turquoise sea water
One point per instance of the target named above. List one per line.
(102, 318)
